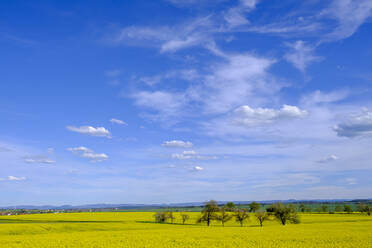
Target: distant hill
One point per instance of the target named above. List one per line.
(164, 205)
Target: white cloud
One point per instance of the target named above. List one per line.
(235, 16)
(301, 55)
(85, 152)
(241, 78)
(93, 131)
(289, 180)
(355, 125)
(38, 160)
(13, 178)
(197, 168)
(117, 121)
(349, 14)
(191, 155)
(249, 3)
(166, 103)
(351, 181)
(248, 117)
(79, 149)
(178, 143)
(318, 96)
(328, 159)
(168, 38)
(185, 74)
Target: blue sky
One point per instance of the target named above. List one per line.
(184, 100)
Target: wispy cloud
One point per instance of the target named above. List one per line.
(40, 159)
(178, 143)
(117, 121)
(349, 14)
(92, 131)
(167, 38)
(301, 55)
(13, 178)
(85, 152)
(327, 159)
(191, 155)
(320, 97)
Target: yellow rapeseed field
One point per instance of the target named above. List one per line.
(137, 229)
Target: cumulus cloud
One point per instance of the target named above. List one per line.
(92, 131)
(301, 55)
(249, 117)
(178, 143)
(85, 152)
(38, 160)
(327, 159)
(117, 121)
(356, 125)
(197, 168)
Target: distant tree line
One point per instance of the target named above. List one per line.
(212, 212)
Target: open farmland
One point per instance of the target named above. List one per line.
(137, 229)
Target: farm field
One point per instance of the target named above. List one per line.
(137, 229)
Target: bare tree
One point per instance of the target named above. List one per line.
(261, 216)
(241, 216)
(224, 216)
(184, 217)
(284, 213)
(209, 212)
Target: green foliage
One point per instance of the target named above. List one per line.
(284, 213)
(364, 208)
(209, 212)
(230, 206)
(241, 216)
(348, 209)
(254, 206)
(262, 216)
(184, 217)
(223, 216)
